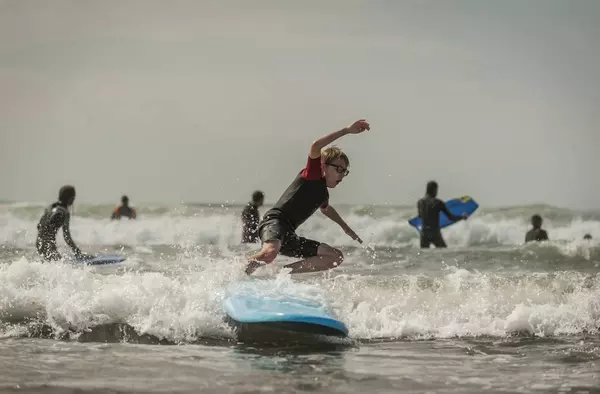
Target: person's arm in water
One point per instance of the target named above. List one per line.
(332, 214)
(69, 239)
(133, 213)
(357, 127)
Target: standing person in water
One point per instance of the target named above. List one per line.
(325, 168)
(251, 218)
(429, 208)
(56, 216)
(123, 210)
(536, 233)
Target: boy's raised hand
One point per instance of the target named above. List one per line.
(358, 127)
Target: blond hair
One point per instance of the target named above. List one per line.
(328, 155)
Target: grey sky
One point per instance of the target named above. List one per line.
(207, 101)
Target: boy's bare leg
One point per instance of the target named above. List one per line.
(326, 258)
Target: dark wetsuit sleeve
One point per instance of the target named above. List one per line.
(313, 170)
(450, 215)
(67, 235)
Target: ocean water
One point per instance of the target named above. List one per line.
(487, 314)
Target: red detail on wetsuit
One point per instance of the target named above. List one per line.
(313, 170)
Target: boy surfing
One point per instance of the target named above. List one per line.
(325, 168)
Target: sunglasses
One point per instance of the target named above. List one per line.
(340, 169)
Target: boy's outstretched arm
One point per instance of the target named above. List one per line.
(355, 128)
(332, 214)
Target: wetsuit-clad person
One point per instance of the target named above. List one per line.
(429, 208)
(123, 210)
(325, 168)
(56, 216)
(251, 218)
(536, 233)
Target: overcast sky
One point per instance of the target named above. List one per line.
(206, 101)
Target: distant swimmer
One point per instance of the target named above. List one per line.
(536, 233)
(429, 208)
(123, 210)
(325, 168)
(587, 237)
(251, 217)
(56, 216)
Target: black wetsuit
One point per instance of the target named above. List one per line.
(54, 217)
(536, 234)
(307, 193)
(123, 211)
(429, 211)
(250, 220)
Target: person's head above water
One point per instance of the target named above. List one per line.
(432, 189)
(125, 201)
(587, 237)
(66, 195)
(335, 165)
(536, 221)
(258, 198)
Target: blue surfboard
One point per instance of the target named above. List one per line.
(284, 313)
(457, 206)
(102, 259)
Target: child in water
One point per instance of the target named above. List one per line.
(536, 233)
(56, 216)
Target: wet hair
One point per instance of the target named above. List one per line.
(257, 196)
(66, 194)
(124, 199)
(432, 188)
(536, 220)
(587, 236)
(329, 155)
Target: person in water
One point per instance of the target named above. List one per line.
(56, 216)
(251, 218)
(325, 168)
(536, 233)
(429, 208)
(123, 210)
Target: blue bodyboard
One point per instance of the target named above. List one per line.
(289, 311)
(457, 206)
(102, 259)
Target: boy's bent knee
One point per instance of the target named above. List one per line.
(335, 254)
(339, 256)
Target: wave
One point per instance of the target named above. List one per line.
(184, 306)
